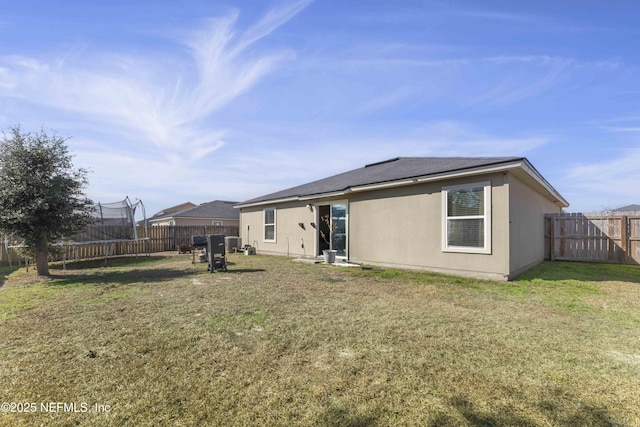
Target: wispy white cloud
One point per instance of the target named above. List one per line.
(415, 62)
(526, 59)
(622, 125)
(333, 149)
(459, 14)
(445, 11)
(220, 111)
(621, 129)
(473, 82)
(148, 122)
(386, 101)
(499, 16)
(606, 184)
(145, 98)
(272, 20)
(152, 179)
(452, 138)
(526, 21)
(522, 81)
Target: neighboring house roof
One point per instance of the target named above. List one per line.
(628, 208)
(405, 171)
(177, 208)
(216, 209)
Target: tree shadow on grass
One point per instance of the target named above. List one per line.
(554, 412)
(101, 276)
(339, 416)
(204, 267)
(99, 273)
(583, 271)
(587, 415)
(105, 278)
(473, 417)
(120, 261)
(239, 271)
(4, 273)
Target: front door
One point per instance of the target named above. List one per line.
(332, 228)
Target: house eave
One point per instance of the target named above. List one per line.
(173, 218)
(266, 202)
(326, 195)
(532, 172)
(522, 164)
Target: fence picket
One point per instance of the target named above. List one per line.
(589, 237)
(160, 239)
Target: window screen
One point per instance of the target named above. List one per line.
(467, 218)
(270, 224)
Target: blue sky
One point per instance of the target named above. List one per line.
(200, 100)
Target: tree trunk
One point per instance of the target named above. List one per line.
(42, 257)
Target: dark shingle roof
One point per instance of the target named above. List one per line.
(387, 171)
(629, 208)
(215, 209)
(173, 209)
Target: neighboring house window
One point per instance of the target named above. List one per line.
(467, 218)
(216, 223)
(172, 223)
(270, 225)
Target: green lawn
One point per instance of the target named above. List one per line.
(159, 341)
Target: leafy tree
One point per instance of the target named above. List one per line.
(41, 194)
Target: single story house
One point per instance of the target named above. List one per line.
(628, 208)
(218, 212)
(173, 209)
(478, 217)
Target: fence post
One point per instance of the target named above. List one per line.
(624, 237)
(552, 237)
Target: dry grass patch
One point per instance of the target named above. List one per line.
(274, 342)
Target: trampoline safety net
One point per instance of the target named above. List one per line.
(112, 222)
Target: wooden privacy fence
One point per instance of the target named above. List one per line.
(160, 239)
(595, 238)
(167, 237)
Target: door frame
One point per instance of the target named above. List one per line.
(317, 234)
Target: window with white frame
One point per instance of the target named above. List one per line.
(270, 225)
(216, 223)
(467, 218)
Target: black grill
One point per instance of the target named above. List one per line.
(216, 251)
(199, 242)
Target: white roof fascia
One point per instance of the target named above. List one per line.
(291, 199)
(438, 177)
(529, 169)
(204, 217)
(164, 218)
(324, 195)
(524, 165)
(173, 218)
(266, 202)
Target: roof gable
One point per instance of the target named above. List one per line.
(177, 208)
(628, 208)
(215, 209)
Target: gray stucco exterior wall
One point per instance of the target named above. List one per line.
(402, 227)
(526, 212)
